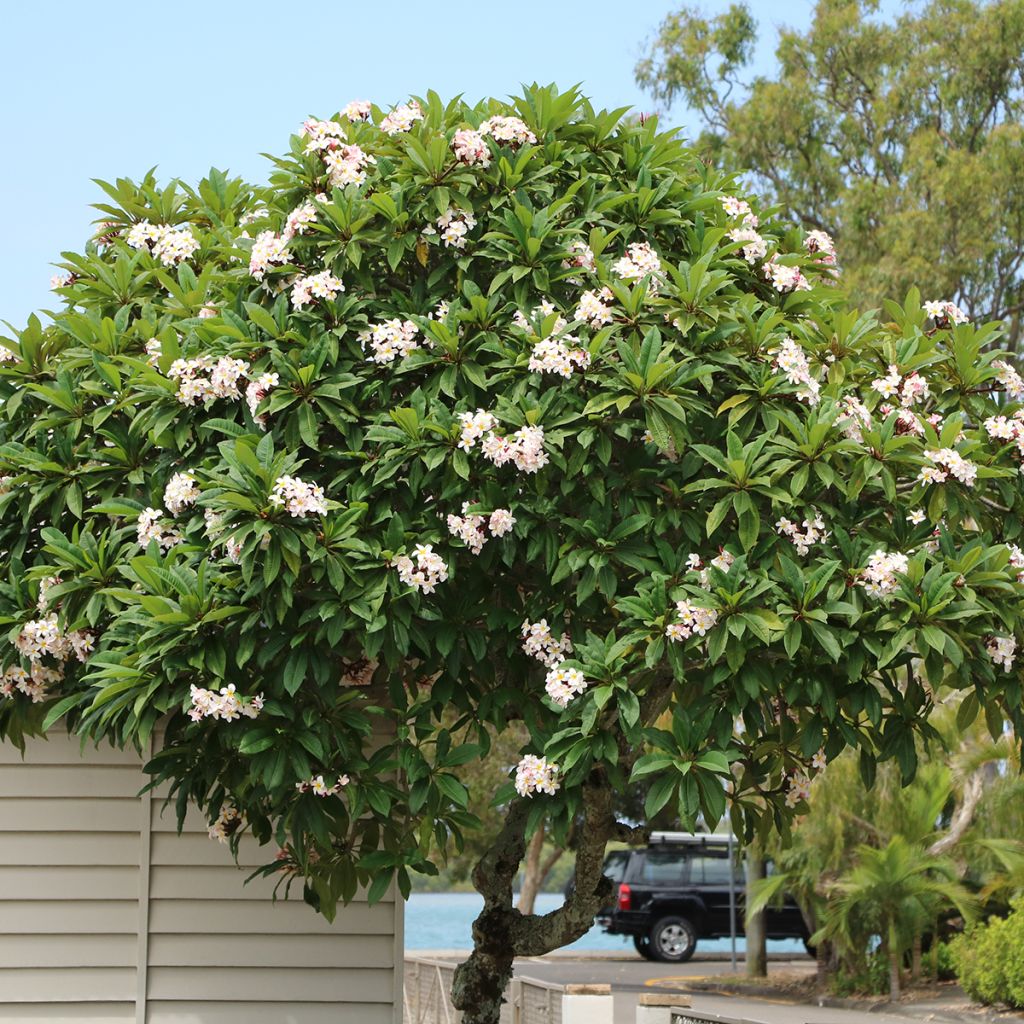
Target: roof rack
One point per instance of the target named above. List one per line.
(688, 837)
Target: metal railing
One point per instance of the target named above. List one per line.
(427, 996)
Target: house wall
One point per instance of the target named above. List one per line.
(107, 915)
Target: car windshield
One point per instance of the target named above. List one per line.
(615, 864)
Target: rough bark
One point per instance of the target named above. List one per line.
(757, 950)
(501, 932)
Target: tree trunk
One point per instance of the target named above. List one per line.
(757, 951)
(915, 959)
(532, 878)
(891, 950)
(501, 933)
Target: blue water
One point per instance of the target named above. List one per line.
(443, 920)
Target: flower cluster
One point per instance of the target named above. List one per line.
(754, 249)
(948, 462)
(257, 390)
(563, 684)
(454, 224)
(558, 355)
(879, 578)
(323, 285)
(474, 426)
(471, 148)
(822, 245)
(202, 379)
(318, 786)
(1002, 650)
(785, 278)
(798, 788)
(944, 314)
(402, 118)
(150, 528)
(536, 775)
(854, 418)
(1011, 380)
(426, 572)
(357, 110)
(168, 244)
(722, 561)
(910, 390)
(43, 637)
(539, 643)
(639, 261)
(813, 532)
(1017, 561)
(580, 255)
(791, 359)
(593, 307)
(180, 492)
(228, 822)
(692, 619)
(227, 705)
(470, 529)
(735, 207)
(299, 219)
(525, 449)
(268, 250)
(321, 134)
(390, 340)
(33, 685)
(510, 131)
(298, 498)
(347, 165)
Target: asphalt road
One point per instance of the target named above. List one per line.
(629, 976)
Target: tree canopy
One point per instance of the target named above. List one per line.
(480, 413)
(901, 137)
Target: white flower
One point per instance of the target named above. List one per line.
(536, 775)
(469, 529)
(180, 492)
(402, 118)
(1010, 379)
(916, 516)
(692, 620)
(501, 522)
(1002, 650)
(426, 572)
(755, 247)
(539, 643)
(879, 577)
(564, 684)
(593, 307)
(228, 705)
(323, 285)
(471, 148)
(474, 426)
(297, 497)
(390, 340)
(948, 461)
(151, 528)
(228, 822)
(512, 131)
(791, 359)
(945, 313)
(639, 261)
(813, 532)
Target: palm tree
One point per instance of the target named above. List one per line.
(893, 892)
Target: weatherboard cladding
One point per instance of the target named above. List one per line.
(107, 915)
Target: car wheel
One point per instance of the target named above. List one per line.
(643, 946)
(673, 940)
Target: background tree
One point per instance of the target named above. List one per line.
(512, 413)
(900, 136)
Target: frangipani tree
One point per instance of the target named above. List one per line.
(502, 411)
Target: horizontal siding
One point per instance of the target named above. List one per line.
(268, 1013)
(68, 950)
(67, 750)
(68, 883)
(56, 984)
(52, 780)
(258, 984)
(281, 918)
(337, 950)
(68, 815)
(69, 1013)
(71, 849)
(85, 917)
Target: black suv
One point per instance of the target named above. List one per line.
(676, 891)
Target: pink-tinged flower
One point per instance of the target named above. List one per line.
(469, 529)
(390, 340)
(501, 522)
(559, 355)
(297, 497)
(180, 492)
(539, 643)
(791, 359)
(813, 532)
(228, 705)
(315, 286)
(1017, 561)
(7, 356)
(357, 110)
(525, 449)
(1004, 428)
(755, 248)
(945, 314)
(318, 786)
(854, 418)
(564, 684)
(322, 135)
(639, 261)
(1002, 650)
(1009, 378)
(471, 148)
(735, 207)
(257, 390)
(299, 220)
(819, 761)
(879, 577)
(402, 118)
(785, 278)
(692, 620)
(798, 789)
(593, 307)
(821, 244)
(168, 244)
(269, 250)
(150, 527)
(228, 822)
(61, 281)
(347, 165)
(889, 385)
(948, 462)
(536, 775)
(424, 571)
(580, 255)
(509, 131)
(454, 225)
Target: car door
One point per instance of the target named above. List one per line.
(712, 874)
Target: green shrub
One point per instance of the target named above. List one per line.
(989, 959)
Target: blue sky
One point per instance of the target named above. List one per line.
(111, 89)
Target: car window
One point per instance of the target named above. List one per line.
(665, 867)
(712, 867)
(615, 864)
